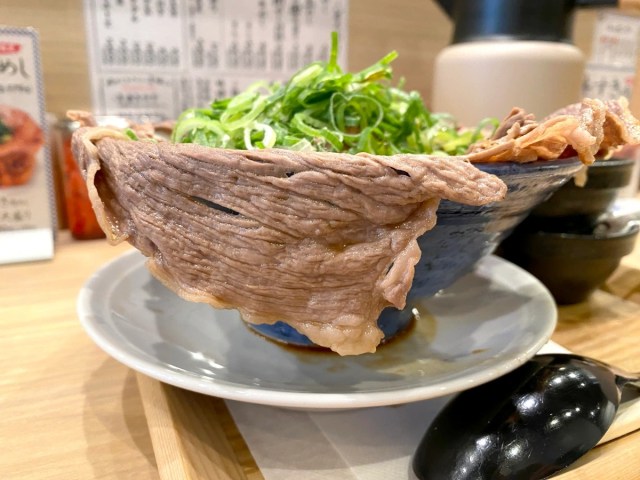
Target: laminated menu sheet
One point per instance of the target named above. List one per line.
(27, 207)
(611, 69)
(156, 58)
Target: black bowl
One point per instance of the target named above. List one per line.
(605, 179)
(573, 263)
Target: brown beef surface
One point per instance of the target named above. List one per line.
(590, 128)
(321, 241)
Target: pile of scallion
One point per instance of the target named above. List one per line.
(322, 108)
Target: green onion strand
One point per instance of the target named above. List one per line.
(323, 108)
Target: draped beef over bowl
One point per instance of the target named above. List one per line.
(321, 241)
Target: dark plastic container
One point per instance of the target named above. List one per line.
(605, 179)
(574, 263)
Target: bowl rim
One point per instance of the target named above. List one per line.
(628, 230)
(571, 164)
(612, 162)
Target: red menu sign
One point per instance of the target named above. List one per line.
(26, 205)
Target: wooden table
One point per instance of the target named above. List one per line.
(69, 411)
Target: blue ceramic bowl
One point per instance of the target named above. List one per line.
(462, 236)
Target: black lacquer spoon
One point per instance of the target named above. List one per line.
(527, 424)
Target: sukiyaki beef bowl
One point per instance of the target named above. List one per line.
(324, 209)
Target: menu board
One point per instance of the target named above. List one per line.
(158, 57)
(26, 192)
(611, 69)
(615, 39)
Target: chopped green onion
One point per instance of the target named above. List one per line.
(131, 134)
(323, 108)
(268, 138)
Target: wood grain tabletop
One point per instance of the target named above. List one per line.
(69, 411)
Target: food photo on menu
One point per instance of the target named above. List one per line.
(272, 240)
(20, 139)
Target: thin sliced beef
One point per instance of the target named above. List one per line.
(321, 241)
(590, 128)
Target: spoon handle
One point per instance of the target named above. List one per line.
(627, 418)
(623, 377)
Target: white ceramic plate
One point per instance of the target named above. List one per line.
(487, 324)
